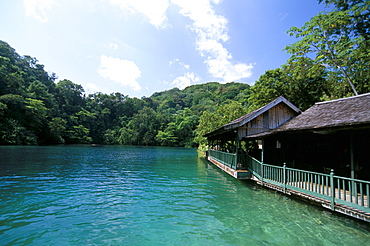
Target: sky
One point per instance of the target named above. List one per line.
(138, 47)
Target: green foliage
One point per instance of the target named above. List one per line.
(199, 98)
(339, 41)
(127, 136)
(69, 96)
(13, 133)
(57, 128)
(272, 84)
(179, 132)
(36, 110)
(79, 135)
(331, 59)
(359, 11)
(299, 84)
(210, 121)
(167, 138)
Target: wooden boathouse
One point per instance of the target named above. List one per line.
(321, 154)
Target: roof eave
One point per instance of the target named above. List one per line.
(263, 110)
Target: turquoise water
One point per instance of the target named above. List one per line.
(150, 196)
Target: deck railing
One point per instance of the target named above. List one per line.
(349, 192)
(335, 189)
(228, 159)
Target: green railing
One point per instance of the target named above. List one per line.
(225, 158)
(335, 189)
(353, 193)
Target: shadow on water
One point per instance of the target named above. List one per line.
(282, 200)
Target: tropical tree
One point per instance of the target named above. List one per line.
(70, 96)
(270, 85)
(210, 121)
(339, 41)
(168, 137)
(57, 128)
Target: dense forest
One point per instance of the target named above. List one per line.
(330, 60)
(34, 109)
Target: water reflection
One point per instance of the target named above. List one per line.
(150, 196)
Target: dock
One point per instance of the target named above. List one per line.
(338, 194)
(238, 174)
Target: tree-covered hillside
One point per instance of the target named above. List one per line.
(34, 109)
(330, 60)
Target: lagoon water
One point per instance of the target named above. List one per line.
(150, 196)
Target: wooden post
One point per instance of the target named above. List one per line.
(262, 159)
(284, 177)
(332, 190)
(263, 150)
(352, 157)
(352, 163)
(236, 149)
(262, 173)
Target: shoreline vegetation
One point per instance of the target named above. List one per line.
(330, 60)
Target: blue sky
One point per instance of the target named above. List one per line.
(138, 47)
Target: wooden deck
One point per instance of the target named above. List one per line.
(238, 174)
(343, 209)
(339, 194)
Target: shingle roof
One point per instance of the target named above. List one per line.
(341, 113)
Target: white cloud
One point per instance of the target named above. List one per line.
(37, 8)
(180, 63)
(211, 32)
(92, 88)
(153, 10)
(113, 46)
(123, 72)
(174, 61)
(184, 81)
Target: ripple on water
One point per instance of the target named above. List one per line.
(150, 196)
